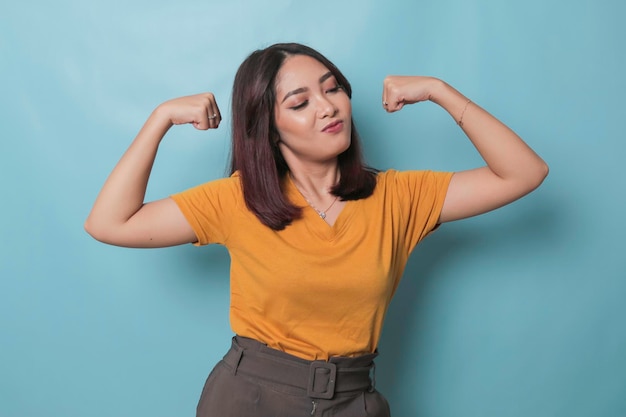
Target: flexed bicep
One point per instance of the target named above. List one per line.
(156, 224)
(475, 192)
(120, 216)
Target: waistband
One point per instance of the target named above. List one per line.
(320, 379)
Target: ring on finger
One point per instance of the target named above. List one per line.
(214, 116)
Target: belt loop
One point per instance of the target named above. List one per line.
(372, 387)
(237, 360)
(238, 353)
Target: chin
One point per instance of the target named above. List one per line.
(344, 147)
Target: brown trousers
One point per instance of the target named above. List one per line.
(257, 381)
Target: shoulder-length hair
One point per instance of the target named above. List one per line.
(255, 153)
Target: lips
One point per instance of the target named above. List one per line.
(333, 127)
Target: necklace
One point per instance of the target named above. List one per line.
(321, 213)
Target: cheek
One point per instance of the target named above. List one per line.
(292, 123)
(344, 104)
(348, 105)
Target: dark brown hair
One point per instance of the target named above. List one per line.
(255, 152)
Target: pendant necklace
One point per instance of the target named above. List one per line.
(321, 213)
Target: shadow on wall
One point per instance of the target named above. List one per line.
(405, 340)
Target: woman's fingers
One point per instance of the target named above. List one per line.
(199, 110)
(401, 90)
(213, 114)
(393, 96)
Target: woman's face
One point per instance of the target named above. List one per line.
(312, 112)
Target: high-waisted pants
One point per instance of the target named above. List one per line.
(257, 381)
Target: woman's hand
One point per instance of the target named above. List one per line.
(199, 110)
(399, 90)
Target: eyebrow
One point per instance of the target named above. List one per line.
(303, 89)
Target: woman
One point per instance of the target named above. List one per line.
(318, 241)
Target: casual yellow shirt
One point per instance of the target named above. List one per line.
(315, 290)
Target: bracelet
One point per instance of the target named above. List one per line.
(460, 122)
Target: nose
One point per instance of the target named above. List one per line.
(326, 107)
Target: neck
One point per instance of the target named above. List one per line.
(316, 183)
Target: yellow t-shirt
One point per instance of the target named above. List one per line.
(315, 290)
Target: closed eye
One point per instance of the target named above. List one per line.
(300, 106)
(334, 89)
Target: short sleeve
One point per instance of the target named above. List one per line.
(422, 194)
(209, 208)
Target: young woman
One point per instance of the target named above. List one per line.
(318, 241)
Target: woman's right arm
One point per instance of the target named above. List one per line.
(119, 215)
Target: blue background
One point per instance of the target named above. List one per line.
(516, 313)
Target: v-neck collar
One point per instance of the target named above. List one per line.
(312, 218)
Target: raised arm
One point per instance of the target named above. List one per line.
(513, 168)
(119, 215)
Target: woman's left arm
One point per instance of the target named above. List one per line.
(513, 168)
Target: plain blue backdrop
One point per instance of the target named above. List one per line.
(515, 313)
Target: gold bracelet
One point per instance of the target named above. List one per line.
(460, 122)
